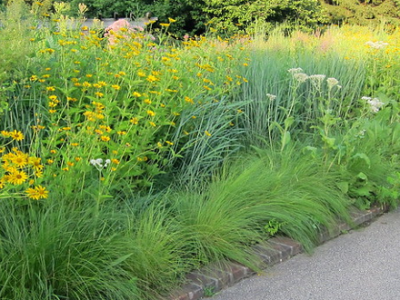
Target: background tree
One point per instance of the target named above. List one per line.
(362, 12)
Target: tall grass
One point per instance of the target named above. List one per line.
(275, 95)
(59, 252)
(288, 187)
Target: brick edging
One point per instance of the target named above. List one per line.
(216, 277)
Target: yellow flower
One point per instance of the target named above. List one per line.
(105, 138)
(152, 124)
(151, 113)
(171, 20)
(106, 128)
(18, 177)
(74, 144)
(20, 160)
(37, 193)
(207, 133)
(134, 121)
(151, 78)
(50, 88)
(5, 133)
(116, 87)
(164, 24)
(98, 94)
(1, 183)
(38, 127)
(16, 135)
(189, 100)
(50, 161)
(35, 163)
(136, 94)
(86, 84)
(115, 161)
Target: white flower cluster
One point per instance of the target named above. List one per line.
(377, 45)
(361, 134)
(271, 97)
(301, 77)
(332, 82)
(98, 163)
(315, 79)
(295, 70)
(374, 103)
(298, 74)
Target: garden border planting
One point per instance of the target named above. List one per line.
(218, 276)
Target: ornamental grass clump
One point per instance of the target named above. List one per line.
(57, 251)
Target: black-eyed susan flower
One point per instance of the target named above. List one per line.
(5, 133)
(37, 193)
(17, 177)
(16, 135)
(35, 163)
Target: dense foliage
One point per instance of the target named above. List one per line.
(362, 12)
(232, 15)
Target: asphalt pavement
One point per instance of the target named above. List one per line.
(363, 264)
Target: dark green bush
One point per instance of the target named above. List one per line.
(361, 12)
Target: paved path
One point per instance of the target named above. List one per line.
(361, 265)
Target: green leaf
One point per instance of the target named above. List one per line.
(120, 260)
(362, 176)
(363, 191)
(289, 122)
(363, 157)
(286, 137)
(329, 141)
(343, 186)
